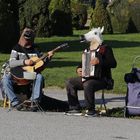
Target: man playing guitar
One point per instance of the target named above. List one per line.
(20, 57)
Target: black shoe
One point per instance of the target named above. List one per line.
(34, 109)
(18, 107)
(36, 101)
(74, 112)
(91, 113)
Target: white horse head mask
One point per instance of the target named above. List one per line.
(94, 34)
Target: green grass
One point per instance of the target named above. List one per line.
(125, 46)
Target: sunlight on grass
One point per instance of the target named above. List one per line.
(125, 46)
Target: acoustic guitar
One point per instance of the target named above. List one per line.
(19, 72)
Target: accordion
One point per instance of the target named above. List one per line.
(87, 69)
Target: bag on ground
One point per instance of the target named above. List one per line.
(133, 99)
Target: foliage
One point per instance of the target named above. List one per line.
(120, 15)
(60, 13)
(79, 15)
(36, 16)
(115, 112)
(119, 113)
(9, 28)
(135, 16)
(100, 17)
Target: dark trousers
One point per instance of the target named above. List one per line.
(89, 87)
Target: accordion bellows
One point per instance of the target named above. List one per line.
(87, 68)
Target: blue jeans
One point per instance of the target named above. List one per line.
(9, 90)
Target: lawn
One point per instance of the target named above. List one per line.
(125, 46)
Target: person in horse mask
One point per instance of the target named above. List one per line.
(94, 72)
(21, 56)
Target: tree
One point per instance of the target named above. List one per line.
(61, 19)
(9, 27)
(100, 17)
(134, 22)
(120, 15)
(79, 14)
(36, 16)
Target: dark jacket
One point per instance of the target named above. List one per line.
(106, 62)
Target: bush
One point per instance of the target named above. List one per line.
(9, 28)
(100, 17)
(120, 15)
(61, 19)
(135, 15)
(79, 15)
(36, 16)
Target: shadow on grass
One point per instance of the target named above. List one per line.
(75, 45)
(122, 44)
(59, 64)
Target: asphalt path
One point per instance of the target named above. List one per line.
(17, 125)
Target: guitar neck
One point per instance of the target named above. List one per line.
(54, 50)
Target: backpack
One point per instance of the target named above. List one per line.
(132, 99)
(133, 76)
(5, 68)
(2, 94)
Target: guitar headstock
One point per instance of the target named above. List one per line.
(64, 45)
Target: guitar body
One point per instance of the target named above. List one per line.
(17, 75)
(21, 82)
(18, 72)
(36, 67)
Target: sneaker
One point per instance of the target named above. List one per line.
(74, 112)
(91, 113)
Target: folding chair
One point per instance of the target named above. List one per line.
(6, 102)
(103, 103)
(22, 92)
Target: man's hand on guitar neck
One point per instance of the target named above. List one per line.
(50, 54)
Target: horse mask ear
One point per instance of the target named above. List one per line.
(102, 29)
